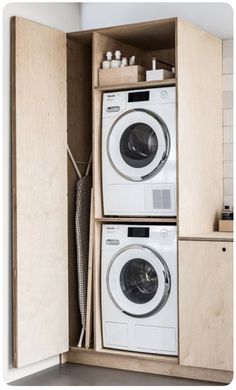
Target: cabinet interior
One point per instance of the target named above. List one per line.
(79, 133)
(148, 40)
(85, 53)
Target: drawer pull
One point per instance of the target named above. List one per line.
(223, 249)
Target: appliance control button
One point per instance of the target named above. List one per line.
(164, 232)
(112, 242)
(163, 94)
(113, 109)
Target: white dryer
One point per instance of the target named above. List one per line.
(139, 152)
(139, 288)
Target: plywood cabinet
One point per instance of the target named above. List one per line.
(200, 168)
(56, 100)
(205, 304)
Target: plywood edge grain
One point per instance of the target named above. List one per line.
(136, 355)
(134, 219)
(13, 184)
(101, 359)
(211, 236)
(137, 85)
(63, 357)
(97, 287)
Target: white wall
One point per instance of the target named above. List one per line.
(217, 18)
(65, 17)
(228, 120)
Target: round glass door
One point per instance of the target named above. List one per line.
(138, 144)
(138, 281)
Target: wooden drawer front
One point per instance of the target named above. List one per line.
(205, 304)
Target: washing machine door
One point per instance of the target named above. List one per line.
(138, 281)
(138, 144)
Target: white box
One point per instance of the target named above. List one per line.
(116, 76)
(158, 74)
(226, 225)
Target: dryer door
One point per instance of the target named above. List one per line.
(138, 281)
(138, 144)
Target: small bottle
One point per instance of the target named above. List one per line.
(118, 57)
(154, 63)
(132, 61)
(227, 214)
(124, 62)
(106, 64)
(117, 61)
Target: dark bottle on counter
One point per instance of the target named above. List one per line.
(227, 214)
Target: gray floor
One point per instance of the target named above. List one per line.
(79, 375)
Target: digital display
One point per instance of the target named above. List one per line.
(138, 232)
(141, 96)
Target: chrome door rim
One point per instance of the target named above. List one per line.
(167, 281)
(165, 154)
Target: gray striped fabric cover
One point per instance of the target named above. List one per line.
(82, 216)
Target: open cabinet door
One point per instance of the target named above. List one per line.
(39, 187)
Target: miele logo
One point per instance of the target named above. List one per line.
(111, 96)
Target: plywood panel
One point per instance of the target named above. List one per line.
(200, 160)
(40, 258)
(206, 304)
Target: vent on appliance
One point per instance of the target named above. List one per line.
(161, 199)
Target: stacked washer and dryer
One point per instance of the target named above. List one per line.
(139, 261)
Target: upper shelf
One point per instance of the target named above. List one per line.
(138, 85)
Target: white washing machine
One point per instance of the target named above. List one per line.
(139, 152)
(139, 288)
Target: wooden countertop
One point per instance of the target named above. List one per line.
(211, 236)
